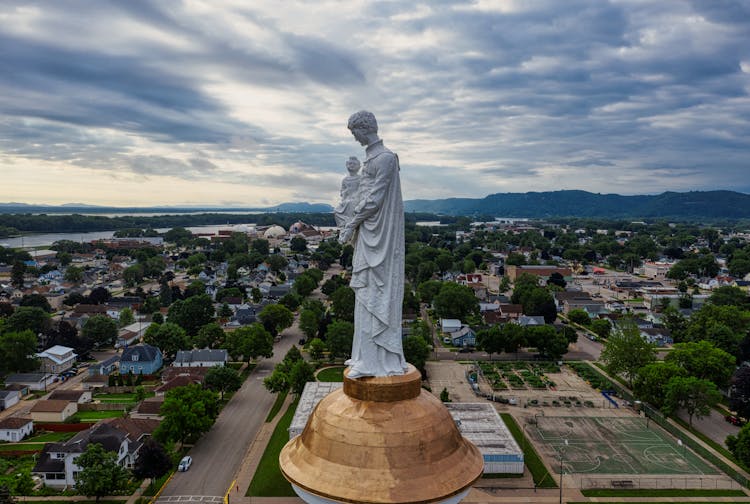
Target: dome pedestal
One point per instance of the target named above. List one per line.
(381, 440)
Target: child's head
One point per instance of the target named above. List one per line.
(352, 164)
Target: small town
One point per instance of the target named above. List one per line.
(150, 368)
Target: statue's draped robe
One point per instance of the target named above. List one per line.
(378, 268)
(349, 191)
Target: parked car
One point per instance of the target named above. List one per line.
(734, 420)
(185, 463)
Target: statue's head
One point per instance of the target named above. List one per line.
(352, 164)
(361, 124)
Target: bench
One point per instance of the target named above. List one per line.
(623, 484)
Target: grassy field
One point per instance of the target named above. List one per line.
(268, 481)
(538, 470)
(280, 398)
(92, 416)
(662, 492)
(331, 374)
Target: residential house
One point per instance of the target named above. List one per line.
(562, 296)
(201, 358)
(15, 428)
(528, 320)
(132, 333)
(8, 398)
(450, 325)
(279, 291)
(77, 396)
(244, 315)
(177, 381)
(464, 337)
(104, 367)
(511, 311)
(57, 359)
(55, 410)
(659, 336)
(148, 408)
(96, 381)
(198, 374)
(141, 359)
(124, 437)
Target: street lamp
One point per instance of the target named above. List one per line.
(562, 458)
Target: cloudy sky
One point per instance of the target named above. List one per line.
(238, 103)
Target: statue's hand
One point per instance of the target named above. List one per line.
(346, 234)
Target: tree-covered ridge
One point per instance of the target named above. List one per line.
(688, 205)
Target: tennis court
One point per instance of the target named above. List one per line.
(613, 445)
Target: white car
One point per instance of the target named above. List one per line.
(185, 463)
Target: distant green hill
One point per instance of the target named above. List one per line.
(688, 205)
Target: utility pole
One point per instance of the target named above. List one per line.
(562, 458)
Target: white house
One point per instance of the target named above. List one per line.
(450, 325)
(201, 358)
(57, 359)
(8, 398)
(123, 436)
(15, 428)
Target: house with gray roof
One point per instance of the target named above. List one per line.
(205, 357)
(141, 359)
(8, 398)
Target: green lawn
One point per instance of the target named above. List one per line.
(50, 437)
(92, 416)
(280, 398)
(331, 374)
(268, 481)
(23, 446)
(662, 492)
(538, 470)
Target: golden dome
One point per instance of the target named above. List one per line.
(381, 440)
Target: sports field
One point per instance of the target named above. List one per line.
(613, 445)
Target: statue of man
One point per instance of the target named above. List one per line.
(377, 229)
(349, 193)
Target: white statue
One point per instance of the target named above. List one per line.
(377, 231)
(349, 193)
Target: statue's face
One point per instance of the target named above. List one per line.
(360, 135)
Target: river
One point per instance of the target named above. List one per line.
(47, 239)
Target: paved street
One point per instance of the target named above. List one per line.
(219, 453)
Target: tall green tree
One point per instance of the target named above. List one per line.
(17, 351)
(193, 313)
(739, 399)
(739, 445)
(188, 412)
(167, 337)
(210, 336)
(36, 300)
(455, 301)
(309, 322)
(315, 348)
(492, 340)
(649, 385)
(626, 351)
(342, 303)
(101, 329)
(100, 473)
(416, 352)
(30, 318)
(251, 341)
(692, 394)
(339, 337)
(300, 373)
(126, 317)
(275, 318)
(73, 274)
(153, 461)
(703, 360)
(223, 379)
